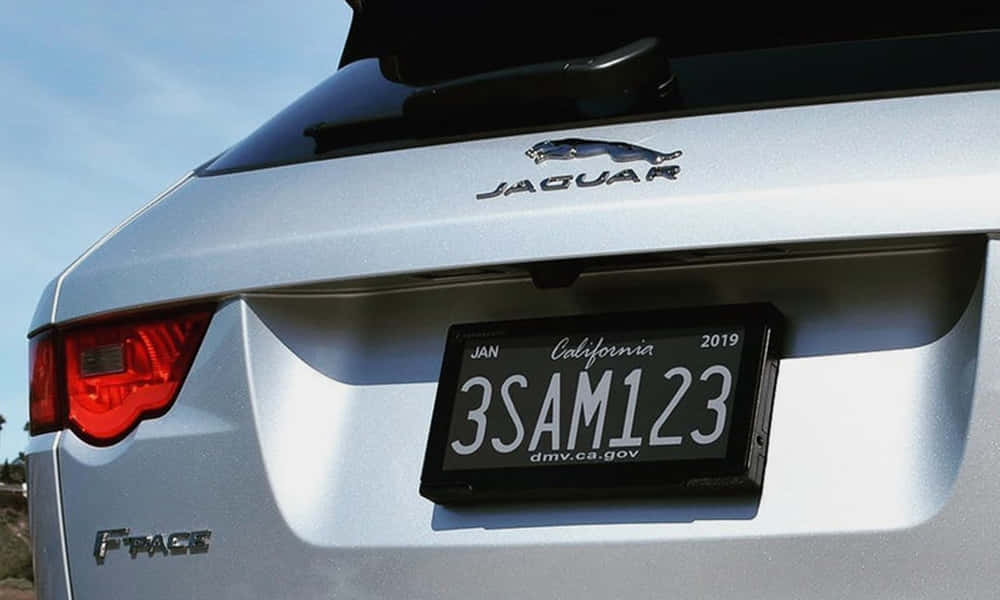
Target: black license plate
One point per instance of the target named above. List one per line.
(653, 403)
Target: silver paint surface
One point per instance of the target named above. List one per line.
(45, 521)
(299, 434)
(870, 169)
(45, 307)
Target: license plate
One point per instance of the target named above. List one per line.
(653, 403)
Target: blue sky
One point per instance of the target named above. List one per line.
(107, 103)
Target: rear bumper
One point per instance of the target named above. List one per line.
(298, 438)
(45, 518)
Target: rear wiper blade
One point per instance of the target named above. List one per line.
(636, 73)
(633, 76)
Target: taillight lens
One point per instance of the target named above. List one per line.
(43, 395)
(111, 375)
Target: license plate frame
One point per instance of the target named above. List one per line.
(739, 472)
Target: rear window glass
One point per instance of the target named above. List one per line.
(363, 106)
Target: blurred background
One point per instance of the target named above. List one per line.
(104, 104)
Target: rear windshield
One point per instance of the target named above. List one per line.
(417, 73)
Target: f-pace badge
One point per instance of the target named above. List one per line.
(572, 148)
(167, 544)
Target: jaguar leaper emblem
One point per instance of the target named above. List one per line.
(571, 148)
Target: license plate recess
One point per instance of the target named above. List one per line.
(660, 403)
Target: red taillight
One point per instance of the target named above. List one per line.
(114, 374)
(43, 393)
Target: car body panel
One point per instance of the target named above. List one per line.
(45, 519)
(298, 436)
(45, 309)
(879, 168)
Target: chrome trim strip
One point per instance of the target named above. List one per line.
(62, 515)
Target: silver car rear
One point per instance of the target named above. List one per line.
(289, 463)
